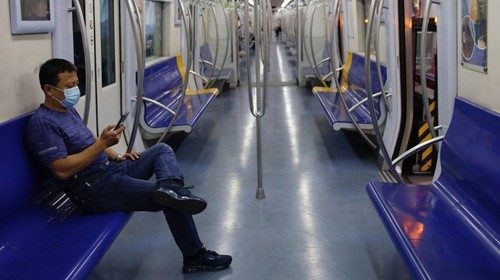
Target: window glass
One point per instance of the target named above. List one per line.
(108, 42)
(154, 29)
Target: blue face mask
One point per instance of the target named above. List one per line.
(71, 97)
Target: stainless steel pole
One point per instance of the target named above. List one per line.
(86, 53)
(135, 18)
(369, 93)
(423, 70)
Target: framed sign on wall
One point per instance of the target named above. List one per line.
(474, 48)
(31, 16)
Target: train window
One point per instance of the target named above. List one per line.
(108, 57)
(154, 29)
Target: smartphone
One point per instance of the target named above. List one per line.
(121, 120)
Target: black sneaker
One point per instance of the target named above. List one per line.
(206, 260)
(180, 199)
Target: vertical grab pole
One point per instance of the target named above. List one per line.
(377, 55)
(259, 108)
(247, 58)
(259, 193)
(135, 18)
(423, 70)
(88, 71)
(369, 92)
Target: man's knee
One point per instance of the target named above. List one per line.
(163, 148)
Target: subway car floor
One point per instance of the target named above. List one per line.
(316, 221)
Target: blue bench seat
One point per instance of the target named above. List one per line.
(450, 229)
(323, 66)
(33, 243)
(324, 70)
(162, 83)
(208, 69)
(353, 86)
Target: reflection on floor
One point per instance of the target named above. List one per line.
(316, 221)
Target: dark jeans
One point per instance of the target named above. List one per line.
(126, 186)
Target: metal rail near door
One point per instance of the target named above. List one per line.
(423, 68)
(86, 53)
(140, 49)
(374, 8)
(377, 7)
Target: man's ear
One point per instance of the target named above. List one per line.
(47, 89)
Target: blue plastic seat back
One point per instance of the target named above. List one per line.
(205, 53)
(162, 77)
(357, 76)
(18, 172)
(162, 82)
(471, 154)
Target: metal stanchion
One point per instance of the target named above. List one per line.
(86, 52)
(135, 19)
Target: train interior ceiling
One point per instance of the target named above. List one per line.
(279, 112)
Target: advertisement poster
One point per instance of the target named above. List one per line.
(474, 36)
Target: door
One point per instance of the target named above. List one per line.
(108, 66)
(102, 26)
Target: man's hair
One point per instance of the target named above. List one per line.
(53, 67)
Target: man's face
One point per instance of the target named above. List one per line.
(66, 80)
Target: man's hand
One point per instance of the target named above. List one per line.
(110, 137)
(131, 156)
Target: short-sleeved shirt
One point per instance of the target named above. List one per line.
(53, 135)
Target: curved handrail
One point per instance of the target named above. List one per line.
(371, 102)
(86, 52)
(377, 57)
(312, 62)
(135, 17)
(212, 70)
(311, 46)
(191, 41)
(342, 98)
(335, 34)
(227, 41)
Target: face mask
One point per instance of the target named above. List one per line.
(71, 97)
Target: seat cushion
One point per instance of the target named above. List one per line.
(336, 112)
(190, 111)
(435, 238)
(34, 244)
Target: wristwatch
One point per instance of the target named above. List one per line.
(118, 157)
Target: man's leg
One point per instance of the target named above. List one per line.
(160, 160)
(117, 191)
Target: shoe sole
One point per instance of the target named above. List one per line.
(185, 205)
(194, 269)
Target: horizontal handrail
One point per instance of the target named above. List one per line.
(210, 63)
(321, 62)
(199, 76)
(417, 148)
(152, 101)
(366, 99)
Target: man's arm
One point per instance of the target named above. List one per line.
(67, 167)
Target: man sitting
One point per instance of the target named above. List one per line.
(99, 180)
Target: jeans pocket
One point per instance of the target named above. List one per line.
(87, 193)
